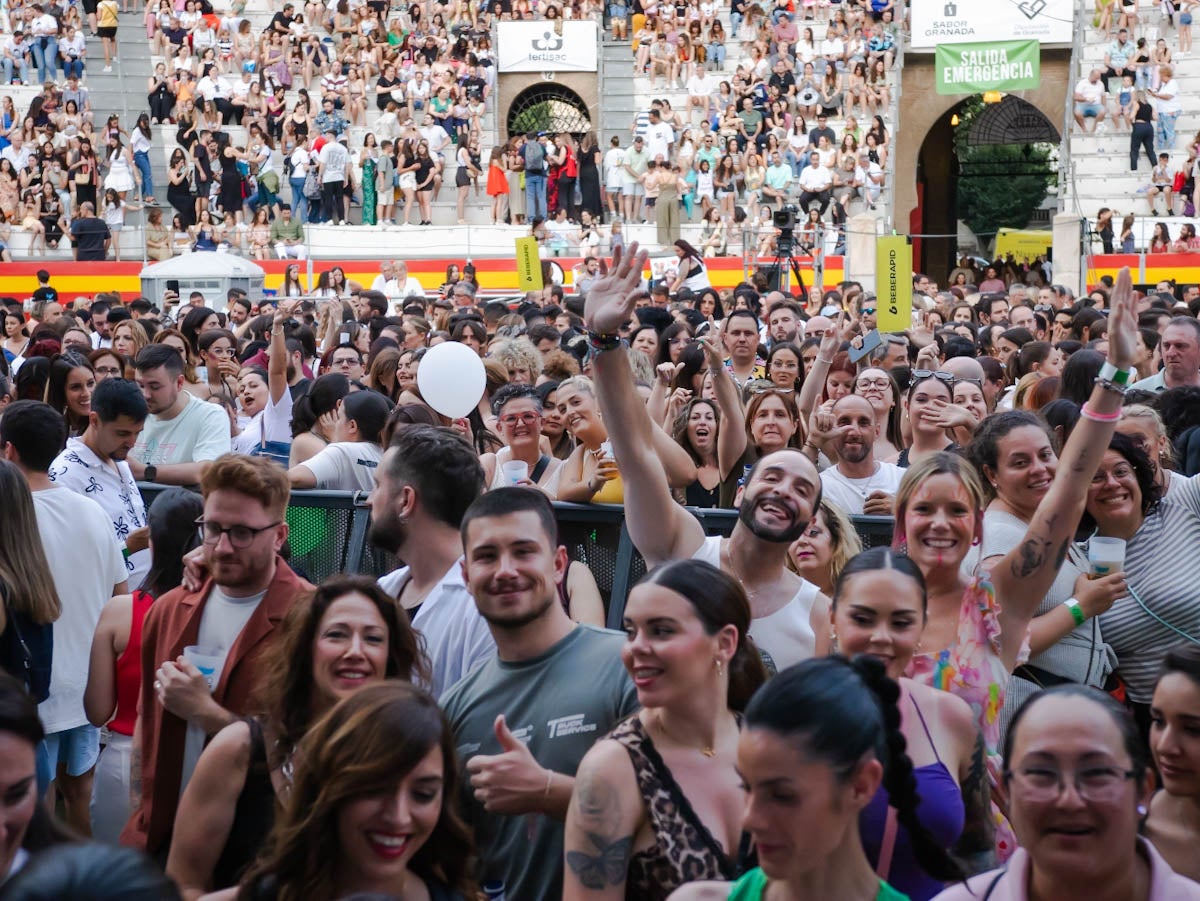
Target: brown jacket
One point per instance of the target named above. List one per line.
(172, 624)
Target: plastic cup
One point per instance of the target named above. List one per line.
(1106, 556)
(207, 660)
(515, 471)
(606, 448)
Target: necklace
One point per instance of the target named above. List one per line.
(706, 750)
(727, 561)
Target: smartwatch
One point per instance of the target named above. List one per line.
(151, 473)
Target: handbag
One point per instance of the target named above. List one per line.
(312, 187)
(35, 679)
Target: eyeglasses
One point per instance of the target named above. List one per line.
(1120, 472)
(880, 382)
(239, 536)
(1093, 783)
(524, 418)
(346, 362)
(108, 371)
(947, 377)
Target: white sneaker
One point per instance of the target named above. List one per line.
(106, 69)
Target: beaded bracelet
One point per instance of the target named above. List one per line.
(600, 343)
(1088, 413)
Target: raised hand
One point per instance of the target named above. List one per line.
(610, 300)
(1122, 322)
(832, 339)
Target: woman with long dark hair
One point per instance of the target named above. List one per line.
(695, 667)
(342, 637)
(691, 272)
(382, 743)
(69, 389)
(115, 670)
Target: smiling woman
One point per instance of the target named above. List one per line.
(345, 635)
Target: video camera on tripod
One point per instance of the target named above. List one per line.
(784, 219)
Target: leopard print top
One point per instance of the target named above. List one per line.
(684, 850)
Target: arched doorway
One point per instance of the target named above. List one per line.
(990, 163)
(548, 107)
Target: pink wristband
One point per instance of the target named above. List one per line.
(1088, 413)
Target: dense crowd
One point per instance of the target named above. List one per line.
(1014, 681)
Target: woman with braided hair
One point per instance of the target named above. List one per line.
(879, 609)
(819, 741)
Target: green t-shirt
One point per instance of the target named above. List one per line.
(559, 704)
(753, 885)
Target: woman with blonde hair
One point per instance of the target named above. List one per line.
(128, 337)
(1144, 427)
(825, 547)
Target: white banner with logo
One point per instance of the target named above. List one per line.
(546, 47)
(969, 21)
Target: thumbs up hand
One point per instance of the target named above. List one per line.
(510, 782)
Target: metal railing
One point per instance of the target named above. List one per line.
(328, 535)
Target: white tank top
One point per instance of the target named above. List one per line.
(784, 637)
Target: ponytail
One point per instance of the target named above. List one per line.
(898, 776)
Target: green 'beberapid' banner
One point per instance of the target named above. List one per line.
(992, 66)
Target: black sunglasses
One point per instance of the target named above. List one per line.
(940, 375)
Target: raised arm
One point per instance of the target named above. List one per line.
(660, 528)
(731, 438)
(1024, 575)
(277, 382)
(810, 392)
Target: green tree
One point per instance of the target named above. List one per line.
(999, 185)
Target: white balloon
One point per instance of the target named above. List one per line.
(451, 378)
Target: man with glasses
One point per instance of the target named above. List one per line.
(858, 484)
(247, 591)
(347, 360)
(182, 432)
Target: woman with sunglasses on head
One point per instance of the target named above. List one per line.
(978, 624)
(1078, 782)
(928, 393)
(1123, 502)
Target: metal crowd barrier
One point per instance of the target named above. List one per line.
(328, 535)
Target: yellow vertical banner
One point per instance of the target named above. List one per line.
(893, 283)
(529, 265)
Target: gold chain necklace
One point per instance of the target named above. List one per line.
(727, 559)
(706, 750)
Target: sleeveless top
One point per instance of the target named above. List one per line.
(696, 495)
(785, 636)
(684, 850)
(941, 811)
(253, 816)
(753, 887)
(129, 668)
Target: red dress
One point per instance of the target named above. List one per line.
(497, 181)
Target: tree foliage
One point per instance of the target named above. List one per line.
(999, 185)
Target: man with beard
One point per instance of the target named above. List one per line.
(423, 486)
(775, 505)
(94, 466)
(523, 721)
(858, 483)
(247, 591)
(785, 324)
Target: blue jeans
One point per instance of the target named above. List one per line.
(262, 197)
(72, 67)
(44, 57)
(1166, 131)
(141, 159)
(22, 70)
(299, 201)
(794, 161)
(716, 55)
(535, 195)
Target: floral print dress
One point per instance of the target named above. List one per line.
(973, 669)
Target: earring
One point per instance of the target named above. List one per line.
(1141, 810)
(902, 547)
(720, 666)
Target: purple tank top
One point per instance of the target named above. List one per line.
(940, 810)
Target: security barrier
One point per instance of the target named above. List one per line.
(328, 534)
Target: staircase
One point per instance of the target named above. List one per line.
(1098, 173)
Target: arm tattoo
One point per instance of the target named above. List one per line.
(1031, 556)
(976, 846)
(600, 816)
